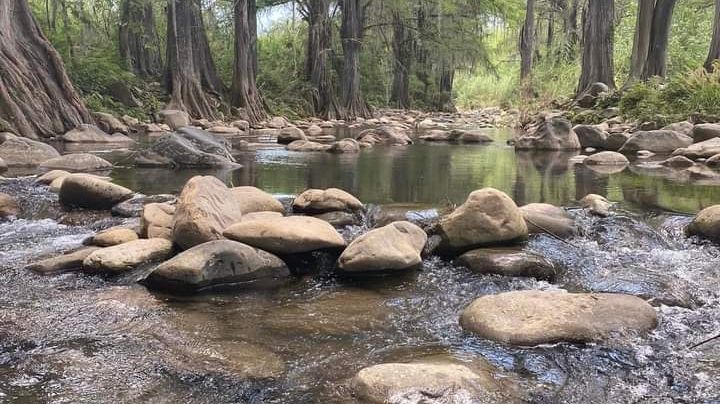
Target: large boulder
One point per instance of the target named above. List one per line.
(216, 263)
(616, 140)
(488, 217)
(326, 200)
(307, 146)
(286, 235)
(189, 147)
(554, 133)
(705, 131)
(291, 134)
(546, 218)
(174, 119)
(656, 141)
(156, 221)
(385, 134)
(21, 152)
(704, 149)
(71, 261)
(108, 123)
(90, 192)
(8, 206)
(92, 134)
(444, 381)
(591, 136)
(127, 256)
(607, 158)
(508, 262)
(684, 127)
(706, 224)
(345, 146)
(205, 207)
(77, 163)
(544, 317)
(253, 199)
(397, 246)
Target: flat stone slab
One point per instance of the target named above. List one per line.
(537, 317)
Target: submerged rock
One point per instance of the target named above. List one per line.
(71, 261)
(77, 162)
(443, 381)
(488, 217)
(554, 133)
(326, 200)
(607, 158)
(90, 192)
(216, 263)
(397, 246)
(677, 162)
(706, 224)
(535, 317)
(204, 208)
(656, 141)
(286, 235)
(508, 262)
(307, 146)
(128, 256)
(345, 146)
(18, 151)
(253, 199)
(546, 218)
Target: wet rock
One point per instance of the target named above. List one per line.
(90, 192)
(216, 263)
(616, 140)
(397, 246)
(579, 159)
(253, 199)
(127, 256)
(156, 221)
(134, 206)
(554, 133)
(656, 141)
(71, 261)
(677, 162)
(508, 262)
(445, 382)
(546, 218)
(472, 136)
(50, 176)
(536, 317)
(111, 237)
(327, 200)
(307, 146)
(286, 235)
(591, 136)
(8, 206)
(339, 218)
(345, 146)
(684, 127)
(174, 119)
(385, 134)
(607, 158)
(92, 134)
(291, 134)
(596, 204)
(644, 154)
(22, 152)
(77, 163)
(705, 131)
(704, 149)
(488, 217)
(188, 147)
(706, 224)
(205, 207)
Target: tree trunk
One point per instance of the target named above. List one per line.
(36, 96)
(190, 71)
(244, 92)
(351, 34)
(714, 53)
(138, 39)
(597, 58)
(402, 47)
(656, 64)
(444, 102)
(641, 43)
(318, 51)
(527, 41)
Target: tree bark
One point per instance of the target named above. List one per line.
(351, 34)
(714, 53)
(656, 64)
(190, 70)
(597, 58)
(244, 91)
(402, 47)
(318, 51)
(527, 41)
(641, 43)
(446, 80)
(138, 39)
(36, 96)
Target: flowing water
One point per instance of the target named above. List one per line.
(78, 338)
